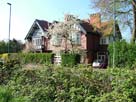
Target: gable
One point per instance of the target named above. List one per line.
(39, 27)
(80, 28)
(107, 29)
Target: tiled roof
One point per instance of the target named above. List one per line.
(87, 26)
(106, 28)
(43, 24)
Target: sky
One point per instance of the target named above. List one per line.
(24, 12)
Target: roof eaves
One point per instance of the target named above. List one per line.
(30, 30)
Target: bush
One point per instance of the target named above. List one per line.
(7, 96)
(7, 70)
(70, 59)
(75, 85)
(125, 54)
(40, 58)
(4, 57)
(72, 85)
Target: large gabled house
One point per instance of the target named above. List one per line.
(92, 38)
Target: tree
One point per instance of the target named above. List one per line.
(65, 29)
(29, 47)
(3, 47)
(125, 11)
(14, 46)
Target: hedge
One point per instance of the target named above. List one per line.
(70, 59)
(125, 54)
(61, 84)
(40, 58)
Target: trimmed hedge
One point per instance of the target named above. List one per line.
(41, 58)
(125, 54)
(70, 59)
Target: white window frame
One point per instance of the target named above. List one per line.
(56, 40)
(37, 42)
(37, 32)
(76, 38)
(104, 40)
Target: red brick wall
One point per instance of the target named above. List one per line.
(90, 43)
(92, 46)
(83, 41)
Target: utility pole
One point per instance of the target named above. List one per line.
(9, 27)
(114, 31)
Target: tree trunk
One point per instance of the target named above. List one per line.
(66, 48)
(134, 21)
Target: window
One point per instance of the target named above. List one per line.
(37, 32)
(37, 42)
(103, 40)
(101, 57)
(56, 40)
(76, 38)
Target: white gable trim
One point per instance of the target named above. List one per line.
(81, 28)
(31, 29)
(40, 28)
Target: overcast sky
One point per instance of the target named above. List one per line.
(24, 12)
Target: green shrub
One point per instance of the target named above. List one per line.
(41, 58)
(6, 95)
(59, 84)
(7, 70)
(4, 57)
(75, 85)
(70, 59)
(125, 54)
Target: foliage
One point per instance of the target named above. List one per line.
(55, 84)
(60, 84)
(7, 96)
(29, 47)
(125, 11)
(4, 57)
(75, 85)
(14, 46)
(63, 31)
(41, 58)
(125, 54)
(8, 69)
(70, 59)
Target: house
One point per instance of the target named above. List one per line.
(90, 37)
(36, 38)
(106, 34)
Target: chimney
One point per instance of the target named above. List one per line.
(68, 17)
(95, 20)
